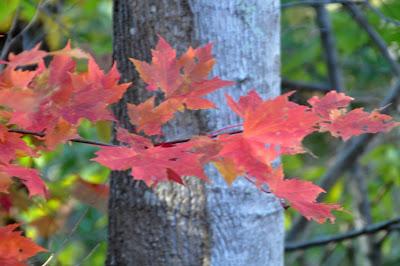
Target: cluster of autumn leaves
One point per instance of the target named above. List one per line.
(49, 98)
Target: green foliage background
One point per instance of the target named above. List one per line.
(81, 240)
(367, 77)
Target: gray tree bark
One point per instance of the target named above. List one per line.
(198, 224)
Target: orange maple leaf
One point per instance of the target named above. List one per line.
(15, 249)
(183, 81)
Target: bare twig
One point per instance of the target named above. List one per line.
(89, 254)
(360, 191)
(370, 253)
(299, 85)
(371, 229)
(92, 142)
(381, 15)
(27, 132)
(383, 190)
(98, 143)
(374, 35)
(328, 43)
(12, 29)
(77, 140)
(9, 38)
(68, 237)
(315, 2)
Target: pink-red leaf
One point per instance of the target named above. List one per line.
(29, 177)
(184, 82)
(329, 102)
(357, 122)
(302, 196)
(152, 164)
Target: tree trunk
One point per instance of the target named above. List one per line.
(199, 224)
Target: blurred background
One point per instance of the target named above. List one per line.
(350, 47)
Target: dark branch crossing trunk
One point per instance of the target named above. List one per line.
(201, 224)
(329, 45)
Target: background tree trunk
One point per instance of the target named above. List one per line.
(198, 224)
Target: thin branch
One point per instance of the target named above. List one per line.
(27, 132)
(91, 142)
(89, 254)
(69, 32)
(374, 35)
(383, 190)
(346, 157)
(367, 246)
(300, 85)
(99, 143)
(323, 88)
(362, 202)
(328, 43)
(381, 15)
(12, 29)
(316, 2)
(371, 229)
(219, 131)
(68, 237)
(9, 35)
(77, 140)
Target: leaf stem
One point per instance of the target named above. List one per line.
(218, 132)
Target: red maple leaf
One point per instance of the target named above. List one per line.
(239, 156)
(57, 98)
(183, 81)
(335, 119)
(163, 73)
(357, 122)
(12, 145)
(149, 118)
(302, 196)
(15, 249)
(29, 177)
(276, 122)
(331, 101)
(152, 164)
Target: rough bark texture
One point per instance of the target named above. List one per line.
(199, 224)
